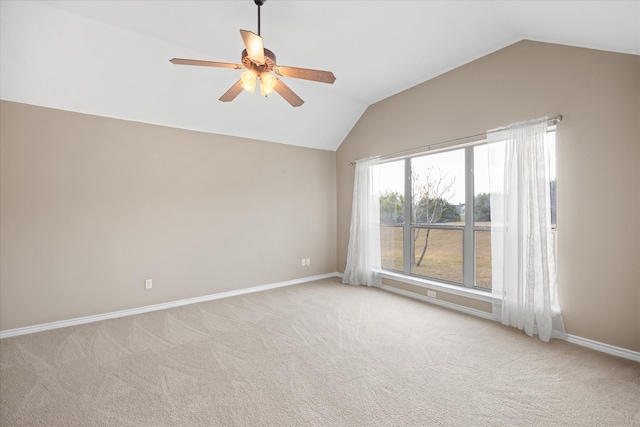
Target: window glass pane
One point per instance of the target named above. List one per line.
(392, 193)
(438, 253)
(481, 198)
(391, 247)
(391, 214)
(483, 259)
(482, 207)
(437, 188)
(552, 176)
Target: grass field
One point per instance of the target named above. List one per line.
(443, 258)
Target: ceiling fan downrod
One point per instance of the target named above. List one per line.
(259, 3)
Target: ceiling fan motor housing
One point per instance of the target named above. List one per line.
(269, 61)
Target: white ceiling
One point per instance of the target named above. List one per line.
(111, 58)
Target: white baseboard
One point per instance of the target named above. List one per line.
(604, 348)
(112, 315)
(584, 342)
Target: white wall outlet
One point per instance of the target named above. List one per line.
(303, 261)
(308, 261)
(431, 294)
(148, 284)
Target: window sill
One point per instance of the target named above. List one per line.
(442, 287)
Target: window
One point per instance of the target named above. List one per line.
(392, 215)
(435, 215)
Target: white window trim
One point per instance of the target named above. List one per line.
(459, 290)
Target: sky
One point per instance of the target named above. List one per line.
(450, 163)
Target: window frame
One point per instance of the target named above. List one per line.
(469, 229)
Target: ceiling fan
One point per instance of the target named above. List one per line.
(259, 63)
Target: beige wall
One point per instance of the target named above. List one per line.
(598, 162)
(90, 207)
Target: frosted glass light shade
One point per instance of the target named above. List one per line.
(249, 78)
(267, 83)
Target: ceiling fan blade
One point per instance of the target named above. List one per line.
(254, 46)
(182, 61)
(289, 95)
(231, 94)
(305, 73)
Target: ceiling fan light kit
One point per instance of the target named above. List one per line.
(249, 79)
(259, 62)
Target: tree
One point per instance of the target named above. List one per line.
(391, 208)
(431, 193)
(482, 207)
(450, 213)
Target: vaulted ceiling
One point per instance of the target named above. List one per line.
(111, 58)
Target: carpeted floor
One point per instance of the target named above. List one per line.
(316, 354)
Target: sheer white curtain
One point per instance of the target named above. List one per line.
(523, 261)
(363, 257)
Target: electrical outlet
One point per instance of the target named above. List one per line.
(308, 261)
(148, 284)
(303, 262)
(431, 294)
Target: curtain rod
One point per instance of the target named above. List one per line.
(552, 120)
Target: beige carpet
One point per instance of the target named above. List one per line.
(317, 354)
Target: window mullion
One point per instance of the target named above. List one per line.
(468, 255)
(407, 246)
